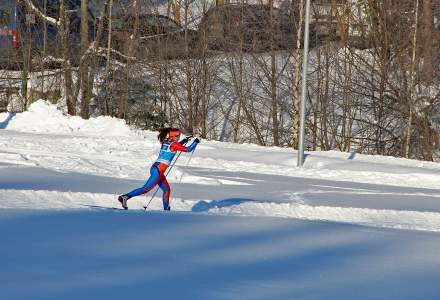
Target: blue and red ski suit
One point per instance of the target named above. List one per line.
(157, 171)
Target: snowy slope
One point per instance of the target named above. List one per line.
(222, 178)
(246, 223)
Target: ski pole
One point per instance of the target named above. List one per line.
(187, 164)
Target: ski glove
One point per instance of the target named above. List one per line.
(197, 140)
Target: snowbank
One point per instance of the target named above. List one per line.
(44, 117)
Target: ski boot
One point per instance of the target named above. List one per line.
(123, 200)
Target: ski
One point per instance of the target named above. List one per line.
(103, 207)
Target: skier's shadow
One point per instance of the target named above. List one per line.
(203, 206)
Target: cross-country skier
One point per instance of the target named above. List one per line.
(169, 138)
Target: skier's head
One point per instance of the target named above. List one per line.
(168, 133)
(174, 134)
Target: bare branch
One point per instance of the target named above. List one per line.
(40, 14)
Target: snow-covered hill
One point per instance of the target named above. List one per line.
(246, 223)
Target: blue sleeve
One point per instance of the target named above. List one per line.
(192, 146)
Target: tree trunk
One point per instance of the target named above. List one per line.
(123, 100)
(189, 74)
(411, 84)
(273, 80)
(428, 39)
(109, 44)
(68, 83)
(84, 63)
(240, 96)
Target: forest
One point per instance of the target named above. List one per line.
(231, 70)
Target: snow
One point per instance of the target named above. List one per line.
(246, 223)
(35, 120)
